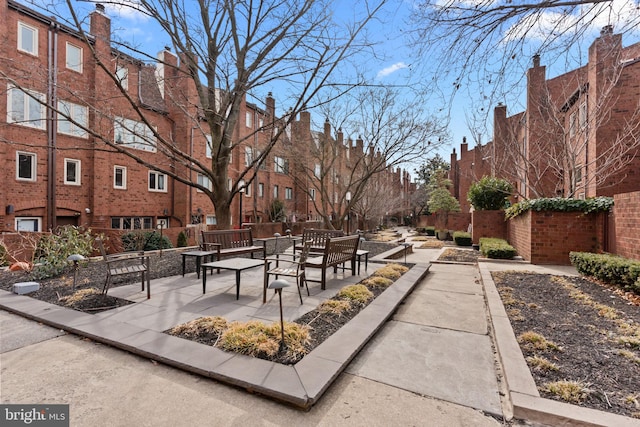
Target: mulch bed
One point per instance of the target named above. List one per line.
(459, 255)
(584, 319)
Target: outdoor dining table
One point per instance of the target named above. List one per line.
(233, 264)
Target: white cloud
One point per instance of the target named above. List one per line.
(391, 69)
(127, 9)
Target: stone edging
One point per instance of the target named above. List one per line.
(301, 384)
(523, 394)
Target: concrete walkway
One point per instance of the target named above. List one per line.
(432, 363)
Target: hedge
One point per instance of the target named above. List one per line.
(612, 269)
(496, 248)
(462, 238)
(560, 204)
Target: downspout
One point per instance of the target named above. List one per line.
(51, 124)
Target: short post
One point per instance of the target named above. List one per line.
(406, 245)
(75, 258)
(277, 285)
(275, 250)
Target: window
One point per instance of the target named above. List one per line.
(25, 108)
(131, 222)
(281, 165)
(120, 177)
(312, 193)
(577, 173)
(204, 181)
(572, 124)
(71, 172)
(27, 38)
(74, 57)
(248, 156)
(260, 189)
(28, 224)
(249, 119)
(317, 170)
(275, 191)
(263, 163)
(134, 134)
(583, 115)
(78, 113)
(26, 166)
(122, 74)
(288, 193)
(208, 151)
(247, 190)
(211, 220)
(157, 181)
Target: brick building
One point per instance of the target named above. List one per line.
(577, 137)
(58, 173)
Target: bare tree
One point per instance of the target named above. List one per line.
(227, 51)
(392, 130)
(483, 47)
(380, 198)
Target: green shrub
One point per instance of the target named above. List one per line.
(611, 269)
(53, 249)
(182, 240)
(3, 256)
(462, 238)
(489, 194)
(496, 248)
(430, 230)
(559, 204)
(145, 241)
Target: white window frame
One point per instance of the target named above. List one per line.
(78, 113)
(34, 166)
(275, 191)
(204, 181)
(78, 165)
(312, 194)
(582, 115)
(279, 164)
(28, 107)
(134, 222)
(122, 75)
(573, 122)
(134, 134)
(260, 189)
(208, 152)
(19, 219)
(73, 64)
(249, 119)
(160, 182)
(317, 170)
(247, 190)
(33, 49)
(124, 177)
(248, 156)
(288, 193)
(211, 220)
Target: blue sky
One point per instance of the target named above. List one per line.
(396, 62)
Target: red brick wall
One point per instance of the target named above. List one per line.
(548, 237)
(627, 228)
(488, 224)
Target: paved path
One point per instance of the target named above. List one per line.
(432, 364)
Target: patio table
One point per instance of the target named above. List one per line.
(198, 255)
(234, 264)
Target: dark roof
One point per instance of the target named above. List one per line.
(149, 92)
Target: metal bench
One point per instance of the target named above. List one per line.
(125, 263)
(229, 243)
(337, 250)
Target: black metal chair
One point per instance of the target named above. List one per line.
(293, 268)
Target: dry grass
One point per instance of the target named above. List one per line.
(420, 238)
(334, 306)
(200, 326)
(506, 293)
(431, 244)
(569, 391)
(377, 282)
(630, 355)
(78, 296)
(356, 293)
(391, 271)
(536, 341)
(515, 314)
(255, 338)
(541, 364)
